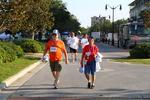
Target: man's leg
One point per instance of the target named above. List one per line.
(93, 81)
(56, 75)
(89, 80)
(76, 56)
(93, 74)
(87, 74)
(88, 77)
(73, 57)
(56, 68)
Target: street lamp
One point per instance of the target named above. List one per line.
(105, 33)
(113, 8)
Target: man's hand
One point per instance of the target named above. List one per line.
(45, 58)
(66, 61)
(42, 59)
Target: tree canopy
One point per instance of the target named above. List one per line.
(63, 19)
(29, 15)
(36, 15)
(145, 15)
(103, 26)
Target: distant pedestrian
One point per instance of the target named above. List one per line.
(73, 43)
(55, 48)
(88, 61)
(84, 41)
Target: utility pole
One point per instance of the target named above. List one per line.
(113, 11)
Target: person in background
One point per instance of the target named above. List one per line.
(73, 43)
(89, 53)
(84, 41)
(55, 48)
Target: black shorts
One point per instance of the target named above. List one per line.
(73, 50)
(55, 66)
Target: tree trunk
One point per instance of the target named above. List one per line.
(33, 35)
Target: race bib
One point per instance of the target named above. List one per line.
(88, 53)
(53, 49)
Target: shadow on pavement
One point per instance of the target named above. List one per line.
(101, 94)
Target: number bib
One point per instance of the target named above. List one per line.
(88, 53)
(53, 49)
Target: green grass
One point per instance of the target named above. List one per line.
(11, 68)
(134, 61)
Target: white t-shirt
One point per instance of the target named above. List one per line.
(84, 42)
(73, 42)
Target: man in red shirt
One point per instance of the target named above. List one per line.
(55, 48)
(88, 61)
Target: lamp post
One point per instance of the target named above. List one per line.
(105, 33)
(113, 10)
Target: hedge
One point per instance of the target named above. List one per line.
(9, 52)
(140, 51)
(29, 45)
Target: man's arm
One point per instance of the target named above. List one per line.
(45, 51)
(65, 53)
(82, 58)
(66, 56)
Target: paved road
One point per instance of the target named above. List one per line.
(116, 81)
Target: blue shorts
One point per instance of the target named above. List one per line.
(90, 68)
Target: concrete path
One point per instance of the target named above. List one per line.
(117, 81)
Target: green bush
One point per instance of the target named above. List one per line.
(140, 51)
(29, 45)
(18, 50)
(9, 52)
(42, 44)
(2, 55)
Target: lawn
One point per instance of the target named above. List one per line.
(134, 61)
(11, 68)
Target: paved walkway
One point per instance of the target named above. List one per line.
(117, 81)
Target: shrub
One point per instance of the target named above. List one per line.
(10, 54)
(18, 50)
(42, 44)
(2, 55)
(140, 51)
(29, 45)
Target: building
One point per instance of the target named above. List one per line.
(95, 20)
(134, 32)
(136, 7)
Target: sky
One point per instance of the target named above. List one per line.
(85, 9)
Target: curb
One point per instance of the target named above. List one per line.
(13, 78)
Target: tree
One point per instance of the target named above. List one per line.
(29, 15)
(63, 20)
(145, 15)
(5, 14)
(118, 23)
(104, 27)
(84, 30)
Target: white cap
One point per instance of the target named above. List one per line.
(55, 31)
